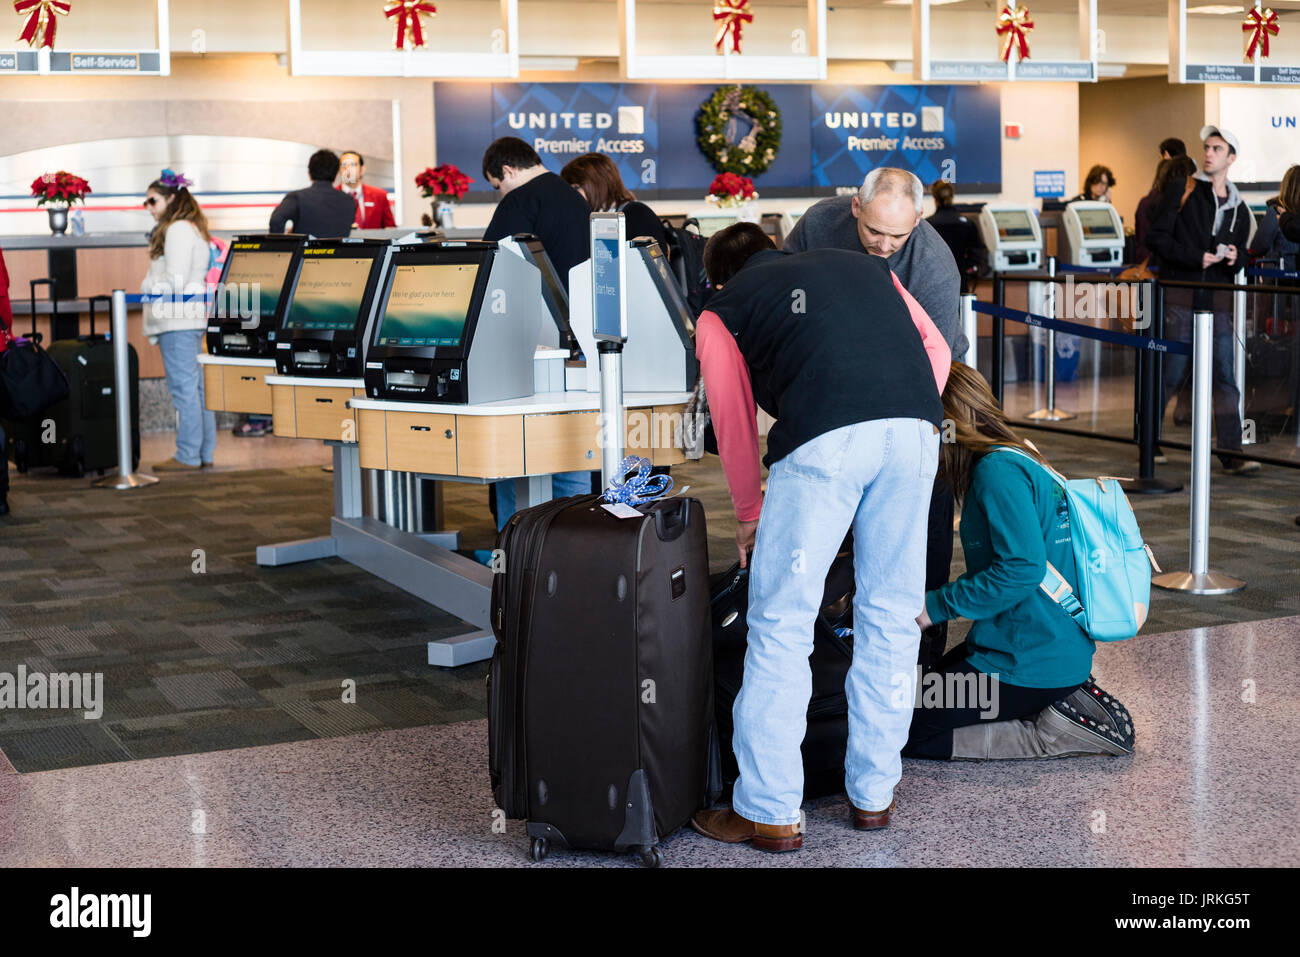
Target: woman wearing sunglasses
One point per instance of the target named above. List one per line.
(180, 256)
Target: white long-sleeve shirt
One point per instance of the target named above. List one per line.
(181, 269)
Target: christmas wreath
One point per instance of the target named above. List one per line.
(754, 152)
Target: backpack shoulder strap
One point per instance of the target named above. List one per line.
(1054, 584)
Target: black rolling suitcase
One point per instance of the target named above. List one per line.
(81, 434)
(601, 687)
(826, 739)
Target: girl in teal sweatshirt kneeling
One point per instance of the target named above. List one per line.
(1019, 687)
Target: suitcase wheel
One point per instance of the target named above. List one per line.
(539, 849)
(651, 856)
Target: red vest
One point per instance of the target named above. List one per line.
(374, 210)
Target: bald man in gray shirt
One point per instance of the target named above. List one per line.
(884, 219)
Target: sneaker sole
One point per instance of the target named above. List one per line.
(1085, 725)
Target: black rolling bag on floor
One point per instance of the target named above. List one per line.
(600, 691)
(827, 737)
(79, 434)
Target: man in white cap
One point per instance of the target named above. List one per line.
(1200, 236)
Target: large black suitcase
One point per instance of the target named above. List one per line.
(78, 434)
(600, 691)
(826, 739)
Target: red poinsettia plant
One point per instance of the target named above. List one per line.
(733, 186)
(445, 180)
(61, 188)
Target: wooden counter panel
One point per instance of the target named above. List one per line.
(373, 439)
(100, 271)
(667, 423)
(214, 389)
(421, 442)
(246, 389)
(490, 446)
(561, 442)
(284, 415)
(323, 413)
(23, 266)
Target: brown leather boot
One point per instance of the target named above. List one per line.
(871, 820)
(729, 827)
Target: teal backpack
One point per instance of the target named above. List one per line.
(1112, 562)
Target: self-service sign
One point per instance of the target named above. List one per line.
(1049, 184)
(608, 277)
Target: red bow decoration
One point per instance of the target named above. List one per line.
(733, 14)
(1259, 24)
(408, 13)
(41, 20)
(1014, 26)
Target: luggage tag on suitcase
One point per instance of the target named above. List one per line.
(633, 485)
(623, 510)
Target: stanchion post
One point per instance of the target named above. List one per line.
(1239, 347)
(1150, 399)
(998, 329)
(611, 407)
(1051, 413)
(970, 329)
(1198, 579)
(126, 477)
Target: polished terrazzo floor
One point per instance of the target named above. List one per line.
(1214, 782)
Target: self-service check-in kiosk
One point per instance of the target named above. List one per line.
(554, 295)
(1094, 234)
(333, 298)
(251, 296)
(457, 322)
(659, 356)
(1012, 236)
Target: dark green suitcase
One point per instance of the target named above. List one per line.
(78, 434)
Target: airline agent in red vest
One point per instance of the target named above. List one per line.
(373, 209)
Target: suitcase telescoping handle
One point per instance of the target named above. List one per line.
(54, 306)
(671, 518)
(107, 301)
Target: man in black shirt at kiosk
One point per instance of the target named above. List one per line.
(320, 210)
(535, 200)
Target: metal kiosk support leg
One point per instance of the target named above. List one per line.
(125, 477)
(1051, 413)
(1199, 580)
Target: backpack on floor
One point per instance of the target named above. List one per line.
(1113, 563)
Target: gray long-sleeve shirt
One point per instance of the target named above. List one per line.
(923, 264)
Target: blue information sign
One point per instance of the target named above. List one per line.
(1049, 184)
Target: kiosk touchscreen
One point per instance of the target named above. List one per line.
(333, 298)
(711, 223)
(250, 298)
(1094, 234)
(1012, 236)
(457, 322)
(658, 355)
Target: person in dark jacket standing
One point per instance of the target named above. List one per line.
(1168, 171)
(6, 333)
(1204, 240)
(850, 366)
(961, 235)
(320, 210)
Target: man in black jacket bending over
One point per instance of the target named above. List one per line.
(1204, 240)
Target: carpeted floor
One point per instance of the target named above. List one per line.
(237, 656)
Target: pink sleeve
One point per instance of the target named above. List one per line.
(935, 345)
(731, 406)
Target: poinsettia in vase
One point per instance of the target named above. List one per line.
(446, 185)
(733, 191)
(57, 192)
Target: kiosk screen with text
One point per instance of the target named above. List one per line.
(1013, 224)
(428, 305)
(267, 269)
(608, 321)
(716, 224)
(329, 293)
(1096, 224)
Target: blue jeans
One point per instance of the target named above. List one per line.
(196, 432)
(876, 477)
(563, 484)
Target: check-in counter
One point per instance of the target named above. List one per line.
(533, 436)
(314, 408)
(237, 384)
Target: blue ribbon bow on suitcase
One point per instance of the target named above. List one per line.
(633, 484)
